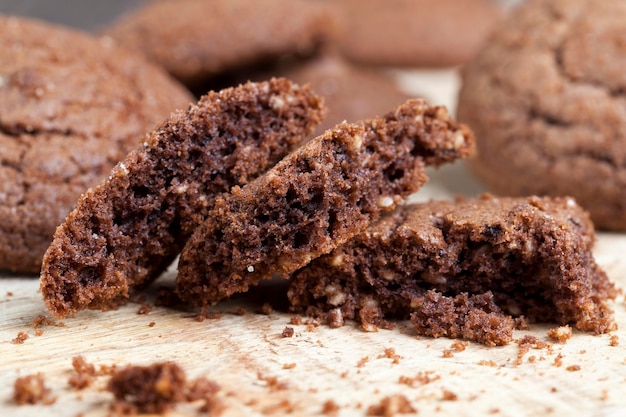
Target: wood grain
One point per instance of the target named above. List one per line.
(347, 365)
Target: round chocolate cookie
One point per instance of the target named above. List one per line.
(197, 39)
(351, 93)
(546, 99)
(71, 106)
(414, 32)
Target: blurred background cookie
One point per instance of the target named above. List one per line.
(70, 107)
(426, 33)
(198, 39)
(546, 99)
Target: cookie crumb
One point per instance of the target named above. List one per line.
(240, 311)
(361, 363)
(84, 373)
(272, 382)
(287, 332)
(390, 406)
(558, 361)
(20, 338)
(526, 343)
(147, 389)
(459, 345)
(330, 408)
(296, 320)
(614, 341)
(447, 353)
(390, 353)
(422, 378)
(31, 389)
(152, 324)
(449, 395)
(289, 365)
(573, 368)
(560, 334)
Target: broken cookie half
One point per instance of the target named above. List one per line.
(316, 198)
(127, 230)
(462, 269)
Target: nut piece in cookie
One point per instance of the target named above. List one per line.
(71, 106)
(316, 198)
(461, 269)
(127, 230)
(545, 97)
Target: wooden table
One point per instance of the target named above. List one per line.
(353, 368)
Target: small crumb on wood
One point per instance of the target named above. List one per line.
(448, 395)
(9, 294)
(287, 332)
(289, 365)
(390, 406)
(31, 389)
(151, 324)
(20, 338)
(272, 382)
(296, 320)
(330, 408)
(240, 311)
(361, 363)
(459, 345)
(558, 361)
(560, 334)
(573, 368)
(614, 341)
(526, 343)
(390, 353)
(447, 353)
(422, 378)
(489, 363)
(84, 373)
(283, 407)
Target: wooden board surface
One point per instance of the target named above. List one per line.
(346, 365)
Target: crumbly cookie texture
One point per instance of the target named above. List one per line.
(127, 230)
(71, 106)
(316, 198)
(196, 40)
(462, 269)
(545, 99)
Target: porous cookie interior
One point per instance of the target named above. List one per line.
(125, 231)
(316, 198)
(439, 261)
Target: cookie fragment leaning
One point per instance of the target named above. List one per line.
(127, 230)
(316, 198)
(462, 269)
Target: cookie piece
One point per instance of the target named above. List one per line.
(197, 39)
(459, 269)
(71, 107)
(431, 33)
(546, 98)
(351, 93)
(127, 230)
(315, 199)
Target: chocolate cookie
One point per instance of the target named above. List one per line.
(351, 93)
(546, 99)
(197, 39)
(414, 32)
(71, 106)
(127, 230)
(459, 269)
(315, 199)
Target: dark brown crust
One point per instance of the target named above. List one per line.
(315, 199)
(125, 231)
(195, 40)
(71, 107)
(545, 99)
(458, 267)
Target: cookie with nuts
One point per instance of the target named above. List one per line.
(316, 198)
